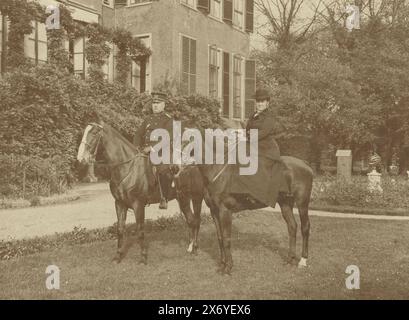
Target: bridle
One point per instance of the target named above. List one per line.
(100, 131)
(100, 134)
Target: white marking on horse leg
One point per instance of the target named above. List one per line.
(302, 263)
(190, 249)
(81, 149)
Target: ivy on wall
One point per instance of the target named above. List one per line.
(129, 49)
(97, 50)
(21, 13)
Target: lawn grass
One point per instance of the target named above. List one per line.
(379, 248)
(37, 201)
(359, 210)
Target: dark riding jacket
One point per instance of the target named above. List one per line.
(264, 123)
(154, 121)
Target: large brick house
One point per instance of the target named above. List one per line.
(201, 46)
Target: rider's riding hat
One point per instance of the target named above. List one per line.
(262, 95)
(158, 96)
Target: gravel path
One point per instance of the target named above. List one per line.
(96, 209)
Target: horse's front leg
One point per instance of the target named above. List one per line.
(121, 211)
(226, 226)
(139, 211)
(197, 211)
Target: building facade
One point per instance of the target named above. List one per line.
(198, 46)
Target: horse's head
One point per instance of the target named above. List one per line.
(90, 142)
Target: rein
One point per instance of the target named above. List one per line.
(217, 176)
(117, 164)
(225, 166)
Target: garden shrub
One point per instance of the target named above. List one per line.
(29, 176)
(330, 191)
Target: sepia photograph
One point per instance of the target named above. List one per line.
(222, 151)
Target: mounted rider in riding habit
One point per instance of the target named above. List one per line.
(157, 120)
(269, 180)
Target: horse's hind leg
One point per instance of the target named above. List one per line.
(214, 211)
(288, 215)
(184, 205)
(121, 211)
(197, 210)
(305, 231)
(139, 211)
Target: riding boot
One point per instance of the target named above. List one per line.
(163, 205)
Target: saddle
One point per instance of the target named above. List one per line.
(263, 188)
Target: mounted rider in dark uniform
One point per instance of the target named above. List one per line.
(157, 120)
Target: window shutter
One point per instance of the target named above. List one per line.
(3, 42)
(250, 87)
(226, 84)
(143, 75)
(228, 11)
(203, 5)
(192, 71)
(185, 66)
(249, 15)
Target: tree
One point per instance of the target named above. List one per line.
(313, 90)
(378, 56)
(348, 89)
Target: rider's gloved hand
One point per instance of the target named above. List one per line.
(146, 150)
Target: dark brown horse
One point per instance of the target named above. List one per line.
(190, 190)
(133, 184)
(299, 178)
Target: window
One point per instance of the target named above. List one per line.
(238, 16)
(214, 71)
(141, 70)
(188, 66)
(77, 50)
(226, 84)
(237, 86)
(35, 44)
(138, 1)
(108, 67)
(250, 88)
(216, 7)
(190, 3)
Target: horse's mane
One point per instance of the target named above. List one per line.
(122, 138)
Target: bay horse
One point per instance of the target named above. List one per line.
(133, 185)
(190, 190)
(299, 178)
